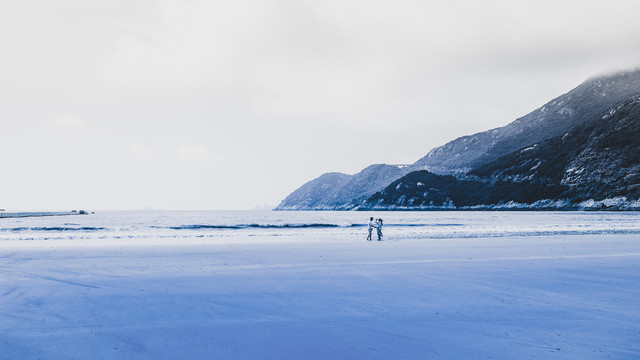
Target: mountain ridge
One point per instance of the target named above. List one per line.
(576, 148)
(592, 97)
(345, 193)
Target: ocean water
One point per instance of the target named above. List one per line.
(153, 225)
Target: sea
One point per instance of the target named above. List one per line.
(150, 226)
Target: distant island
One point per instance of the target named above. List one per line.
(580, 151)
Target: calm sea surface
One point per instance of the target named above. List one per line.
(398, 225)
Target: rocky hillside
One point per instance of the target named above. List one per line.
(593, 165)
(600, 159)
(427, 191)
(589, 100)
(364, 184)
(336, 191)
(314, 193)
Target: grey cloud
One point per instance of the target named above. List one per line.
(221, 91)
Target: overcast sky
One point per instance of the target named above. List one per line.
(170, 104)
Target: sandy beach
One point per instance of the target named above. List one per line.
(560, 297)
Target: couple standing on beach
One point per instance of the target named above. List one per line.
(375, 224)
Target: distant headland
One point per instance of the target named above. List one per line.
(4, 214)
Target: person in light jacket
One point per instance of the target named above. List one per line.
(372, 224)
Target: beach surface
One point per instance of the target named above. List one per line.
(540, 297)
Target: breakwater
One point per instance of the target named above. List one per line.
(4, 214)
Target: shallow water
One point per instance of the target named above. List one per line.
(233, 224)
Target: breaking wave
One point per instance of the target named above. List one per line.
(254, 226)
(286, 226)
(53, 228)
